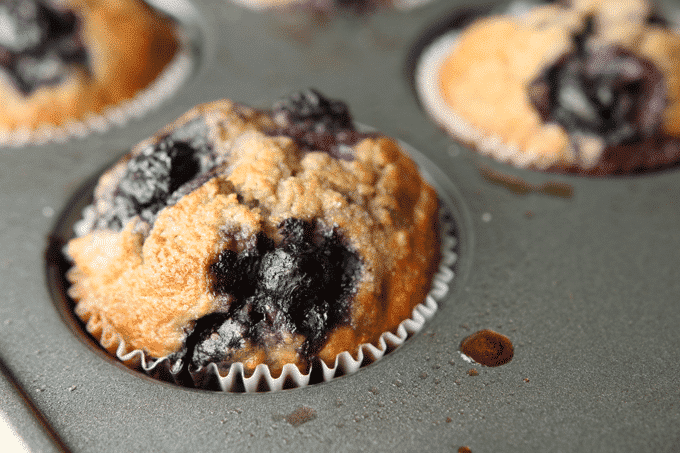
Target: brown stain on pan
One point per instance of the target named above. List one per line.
(488, 348)
(301, 415)
(519, 186)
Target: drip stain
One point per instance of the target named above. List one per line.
(488, 348)
(519, 186)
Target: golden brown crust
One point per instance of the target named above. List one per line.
(486, 77)
(128, 45)
(496, 103)
(149, 283)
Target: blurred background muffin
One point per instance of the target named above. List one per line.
(69, 61)
(586, 86)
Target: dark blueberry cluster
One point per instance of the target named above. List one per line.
(302, 286)
(215, 337)
(155, 177)
(317, 123)
(609, 92)
(38, 42)
(311, 110)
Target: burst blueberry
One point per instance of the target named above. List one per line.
(318, 123)
(604, 91)
(300, 286)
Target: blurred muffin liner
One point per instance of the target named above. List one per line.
(322, 5)
(426, 82)
(175, 73)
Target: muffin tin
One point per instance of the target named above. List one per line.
(580, 273)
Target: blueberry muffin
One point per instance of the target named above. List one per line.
(255, 236)
(64, 61)
(585, 86)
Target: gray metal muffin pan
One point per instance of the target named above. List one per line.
(583, 281)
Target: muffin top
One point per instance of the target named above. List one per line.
(253, 236)
(591, 85)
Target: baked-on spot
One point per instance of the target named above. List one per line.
(488, 348)
(301, 415)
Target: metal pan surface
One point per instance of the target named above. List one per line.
(582, 279)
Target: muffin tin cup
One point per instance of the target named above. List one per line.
(346, 362)
(495, 161)
(173, 75)
(262, 379)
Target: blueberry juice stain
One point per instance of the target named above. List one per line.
(488, 348)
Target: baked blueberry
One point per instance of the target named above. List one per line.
(303, 285)
(37, 42)
(155, 174)
(317, 123)
(605, 91)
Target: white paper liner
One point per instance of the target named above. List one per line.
(291, 377)
(175, 73)
(410, 4)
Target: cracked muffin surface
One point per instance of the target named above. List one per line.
(588, 86)
(253, 236)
